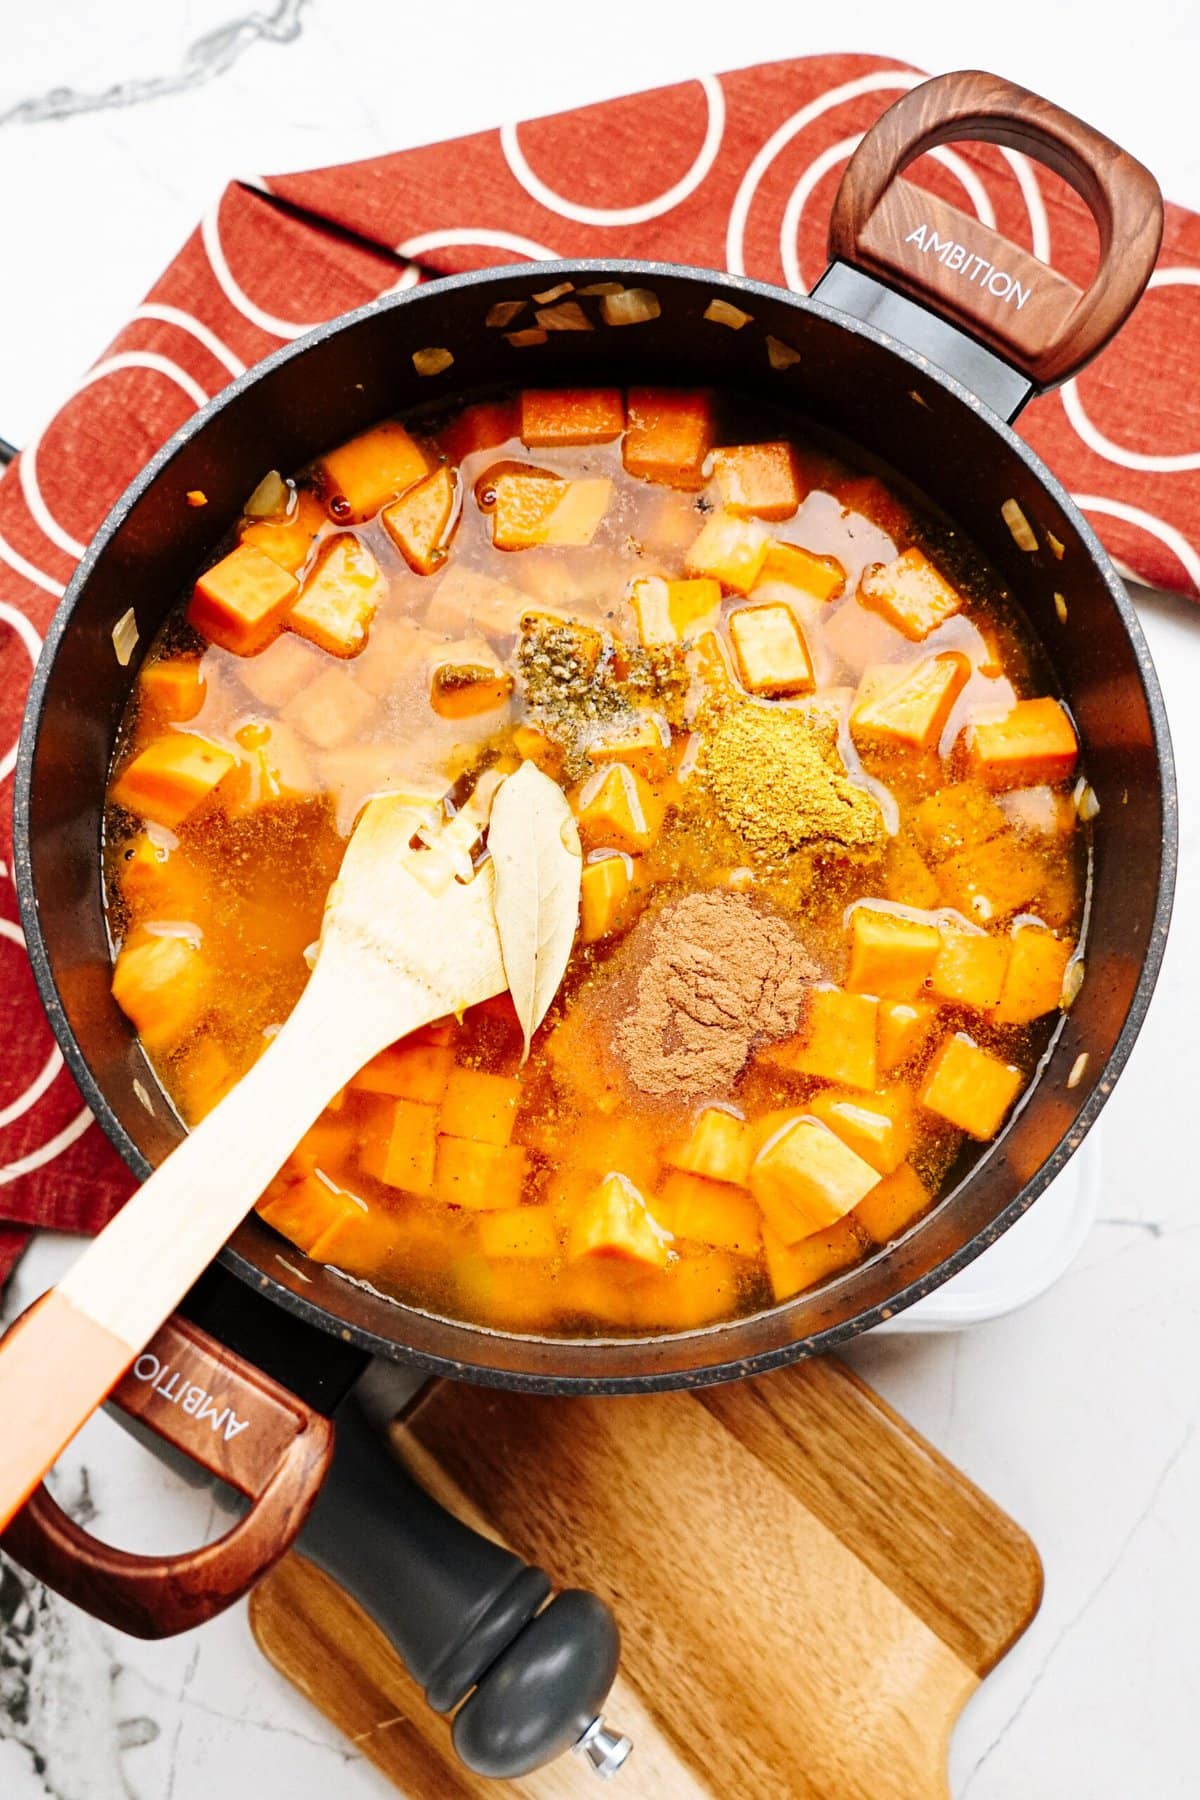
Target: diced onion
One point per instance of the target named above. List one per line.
(781, 355)
(273, 498)
(570, 316)
(1060, 607)
(1058, 547)
(1072, 982)
(1087, 803)
(504, 312)
(554, 293)
(1022, 531)
(1078, 1069)
(721, 312)
(630, 306)
(519, 339)
(143, 1096)
(602, 287)
(125, 637)
(431, 361)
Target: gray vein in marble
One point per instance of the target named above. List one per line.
(242, 1721)
(1071, 1625)
(203, 61)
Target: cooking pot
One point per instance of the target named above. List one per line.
(917, 350)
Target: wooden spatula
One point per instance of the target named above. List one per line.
(409, 935)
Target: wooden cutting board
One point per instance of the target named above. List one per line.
(807, 1592)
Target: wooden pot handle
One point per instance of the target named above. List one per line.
(236, 1422)
(1019, 307)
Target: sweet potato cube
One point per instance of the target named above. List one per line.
(202, 1078)
(563, 639)
(563, 416)
(619, 810)
(1033, 980)
(328, 1146)
(643, 743)
(534, 508)
(363, 475)
(668, 435)
(720, 1147)
(313, 1214)
(910, 594)
(992, 880)
(480, 1106)
(793, 1267)
(890, 956)
(904, 1028)
(280, 671)
(1033, 744)
(173, 687)
(908, 708)
(730, 550)
(969, 1087)
(162, 985)
(694, 1291)
(157, 881)
(836, 1041)
(400, 1151)
(273, 766)
(330, 709)
(805, 1178)
(1042, 812)
(608, 886)
(339, 598)
(462, 690)
(758, 480)
(171, 777)
(878, 1127)
(955, 818)
(481, 1177)
(669, 612)
(533, 745)
(907, 878)
(821, 576)
(242, 601)
(899, 1198)
(420, 523)
(520, 1231)
(615, 1221)
(408, 1071)
(289, 541)
(970, 968)
(772, 656)
(709, 1212)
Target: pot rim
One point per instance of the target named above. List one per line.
(831, 1337)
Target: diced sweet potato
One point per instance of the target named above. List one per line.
(910, 594)
(615, 1221)
(330, 709)
(668, 435)
(1033, 744)
(562, 416)
(970, 968)
(533, 745)
(421, 522)
(162, 985)
(487, 425)
(313, 1214)
(904, 1028)
(461, 690)
(468, 600)
(481, 1177)
(899, 1198)
(242, 601)
(563, 639)
(730, 550)
(877, 1127)
(758, 480)
(871, 499)
(519, 1231)
(329, 1146)
(821, 576)
(400, 1148)
(157, 881)
(890, 956)
(992, 880)
(534, 508)
(969, 1087)
(408, 1071)
(607, 892)
(280, 671)
(693, 1292)
(670, 612)
(794, 1267)
(1033, 979)
(339, 598)
(720, 1147)
(709, 1212)
(273, 766)
(908, 879)
(171, 777)
(805, 1178)
(202, 1078)
(363, 475)
(955, 818)
(907, 708)
(772, 656)
(173, 688)
(642, 743)
(480, 1106)
(619, 810)
(836, 1041)
(289, 541)
(1042, 812)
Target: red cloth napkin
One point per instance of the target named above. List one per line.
(733, 172)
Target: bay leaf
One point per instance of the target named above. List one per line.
(534, 845)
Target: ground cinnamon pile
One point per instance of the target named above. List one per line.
(719, 975)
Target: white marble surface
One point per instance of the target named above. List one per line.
(1078, 1413)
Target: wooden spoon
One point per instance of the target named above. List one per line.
(409, 935)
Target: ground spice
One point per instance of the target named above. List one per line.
(778, 781)
(718, 975)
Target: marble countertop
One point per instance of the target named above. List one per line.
(1079, 1413)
